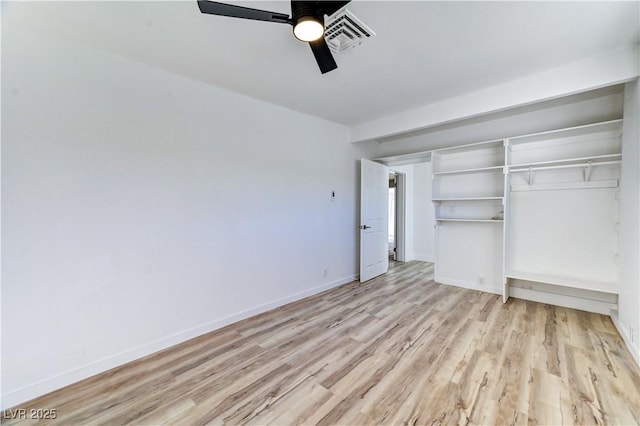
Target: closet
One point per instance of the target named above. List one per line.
(532, 216)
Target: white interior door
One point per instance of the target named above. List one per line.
(374, 195)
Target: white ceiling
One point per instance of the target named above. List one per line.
(424, 51)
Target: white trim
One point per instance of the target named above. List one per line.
(42, 387)
(468, 285)
(635, 351)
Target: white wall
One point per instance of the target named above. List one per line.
(600, 105)
(628, 320)
(141, 209)
(424, 214)
(592, 73)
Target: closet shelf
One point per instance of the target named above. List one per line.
(474, 170)
(596, 159)
(445, 219)
(587, 167)
(602, 287)
(466, 199)
(610, 183)
(577, 131)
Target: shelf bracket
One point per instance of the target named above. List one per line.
(530, 176)
(588, 168)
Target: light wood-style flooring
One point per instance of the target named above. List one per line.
(399, 349)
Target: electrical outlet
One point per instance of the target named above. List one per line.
(481, 280)
(324, 272)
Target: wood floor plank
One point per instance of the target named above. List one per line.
(399, 349)
(297, 406)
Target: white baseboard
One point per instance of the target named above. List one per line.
(469, 285)
(15, 397)
(424, 257)
(635, 351)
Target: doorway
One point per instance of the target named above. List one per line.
(396, 217)
(391, 204)
(374, 218)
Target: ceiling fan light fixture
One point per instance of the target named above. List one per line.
(307, 19)
(308, 28)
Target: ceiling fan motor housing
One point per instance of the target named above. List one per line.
(306, 9)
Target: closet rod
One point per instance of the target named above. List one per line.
(566, 166)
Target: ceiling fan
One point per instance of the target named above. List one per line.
(307, 18)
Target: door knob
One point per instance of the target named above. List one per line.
(364, 227)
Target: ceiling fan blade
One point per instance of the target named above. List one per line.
(223, 9)
(323, 55)
(331, 7)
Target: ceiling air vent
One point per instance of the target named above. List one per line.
(345, 31)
